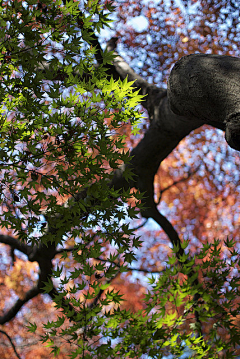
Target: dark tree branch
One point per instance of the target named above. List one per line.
(149, 271)
(43, 255)
(15, 244)
(11, 342)
(168, 229)
(12, 312)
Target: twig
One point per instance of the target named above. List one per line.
(183, 179)
(140, 225)
(12, 344)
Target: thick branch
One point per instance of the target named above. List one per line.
(15, 244)
(207, 87)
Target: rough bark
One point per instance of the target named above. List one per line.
(207, 87)
(166, 130)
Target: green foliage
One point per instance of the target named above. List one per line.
(32, 327)
(179, 308)
(53, 130)
(59, 117)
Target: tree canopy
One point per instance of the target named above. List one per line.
(119, 198)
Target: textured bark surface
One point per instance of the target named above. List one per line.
(207, 87)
